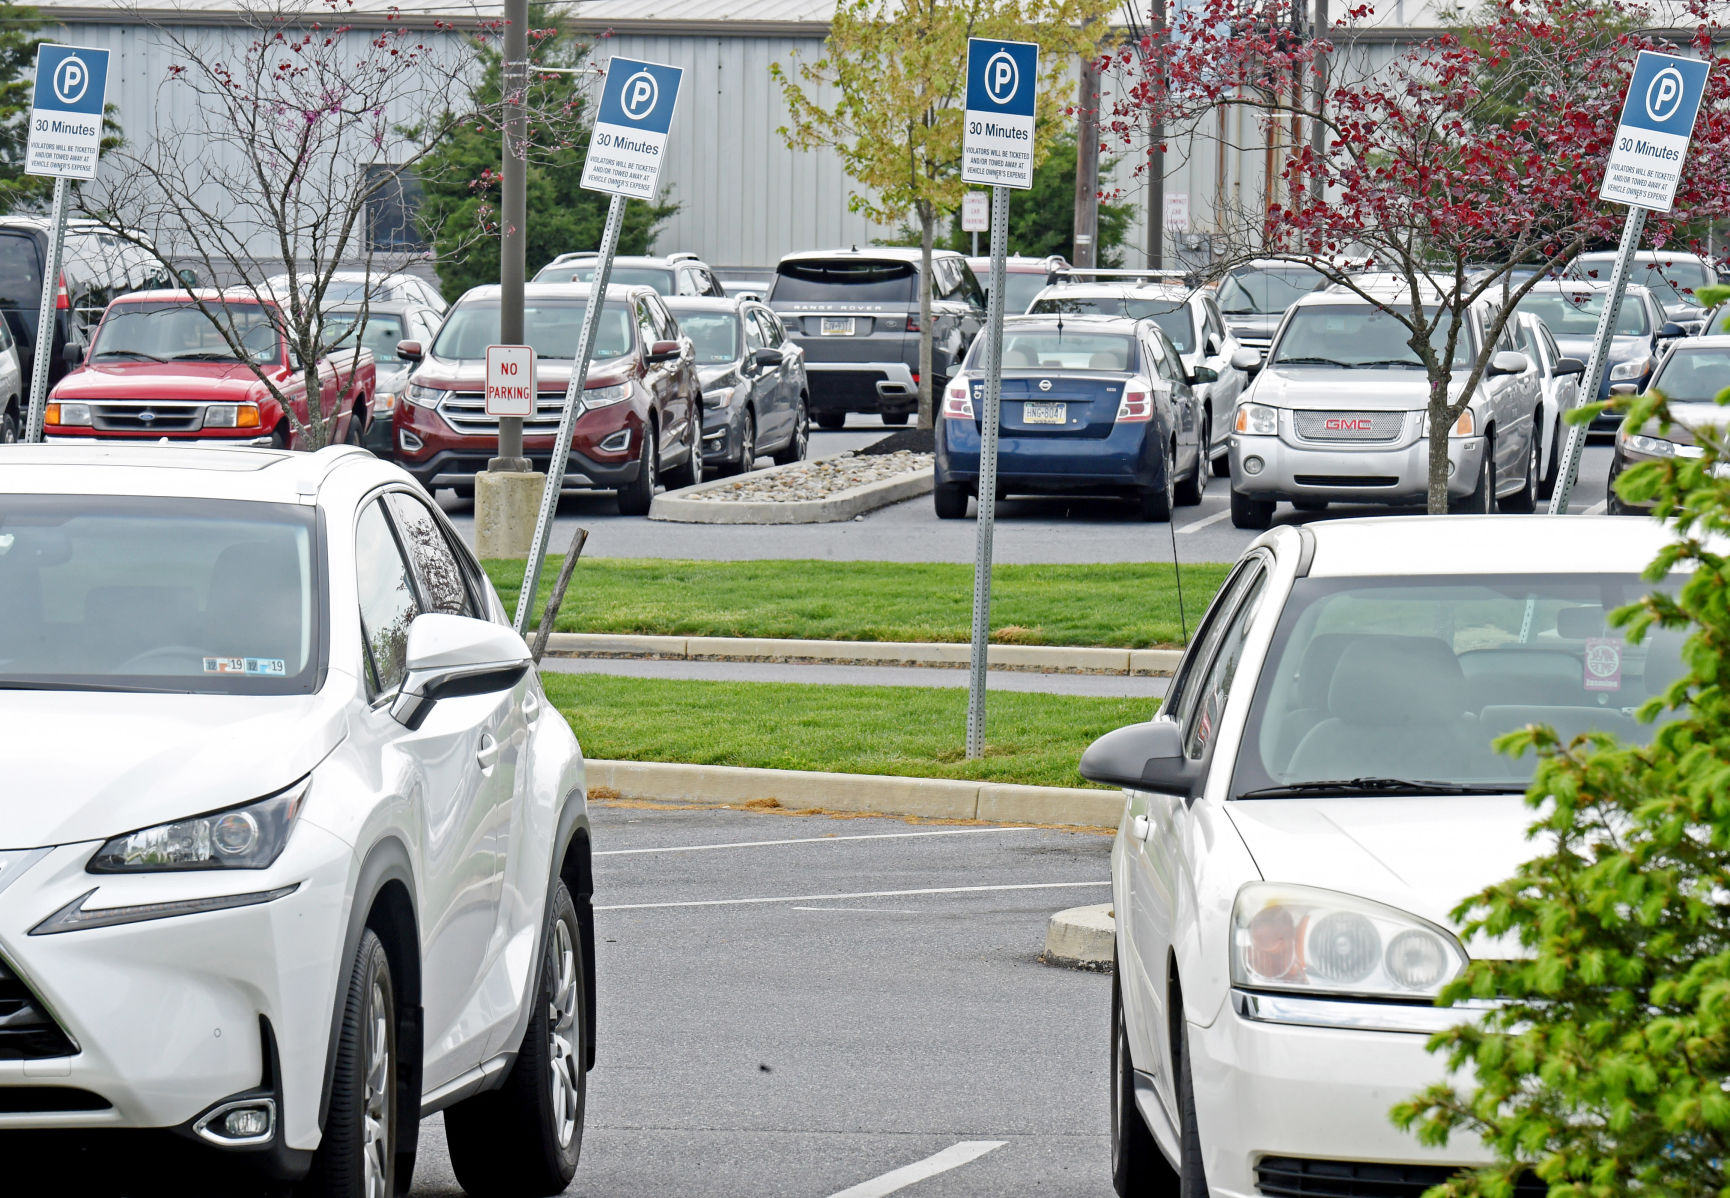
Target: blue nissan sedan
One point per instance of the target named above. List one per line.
(1091, 405)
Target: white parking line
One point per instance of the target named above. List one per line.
(1203, 523)
(752, 844)
(862, 894)
(862, 910)
(1597, 509)
(952, 1157)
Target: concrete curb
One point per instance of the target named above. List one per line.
(879, 794)
(680, 506)
(1065, 659)
(1081, 938)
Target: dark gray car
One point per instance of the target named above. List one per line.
(856, 314)
(387, 324)
(755, 396)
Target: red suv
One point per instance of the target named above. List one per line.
(641, 419)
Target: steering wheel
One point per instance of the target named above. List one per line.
(168, 652)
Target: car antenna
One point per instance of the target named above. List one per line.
(1201, 463)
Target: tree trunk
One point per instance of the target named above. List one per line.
(318, 421)
(927, 234)
(1440, 428)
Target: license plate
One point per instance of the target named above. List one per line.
(1045, 413)
(837, 326)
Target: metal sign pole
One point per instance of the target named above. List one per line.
(44, 348)
(1600, 359)
(987, 474)
(573, 397)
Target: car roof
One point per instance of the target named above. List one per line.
(1093, 321)
(1703, 341)
(871, 253)
(704, 303)
(1171, 291)
(1585, 285)
(1646, 256)
(386, 307)
(1019, 263)
(194, 472)
(1426, 546)
(615, 291)
(244, 295)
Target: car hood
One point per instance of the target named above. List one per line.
(1318, 387)
(214, 381)
(551, 374)
(1257, 325)
(1692, 415)
(724, 375)
(83, 765)
(1621, 348)
(1421, 855)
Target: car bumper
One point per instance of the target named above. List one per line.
(1311, 1093)
(862, 387)
(159, 439)
(722, 432)
(1274, 468)
(1126, 459)
(606, 448)
(172, 1016)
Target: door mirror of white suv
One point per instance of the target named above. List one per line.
(1142, 757)
(1246, 359)
(1508, 362)
(450, 656)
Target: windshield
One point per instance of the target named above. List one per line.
(1053, 349)
(1696, 375)
(1575, 313)
(714, 334)
(1259, 290)
(1672, 280)
(126, 592)
(553, 327)
(1412, 678)
(1172, 318)
(1019, 288)
(1357, 335)
(847, 282)
(168, 331)
(380, 334)
(621, 276)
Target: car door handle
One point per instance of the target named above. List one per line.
(488, 754)
(531, 707)
(1141, 827)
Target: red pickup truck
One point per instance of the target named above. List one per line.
(159, 369)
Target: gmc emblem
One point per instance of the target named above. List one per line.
(1360, 424)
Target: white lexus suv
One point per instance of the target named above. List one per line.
(293, 849)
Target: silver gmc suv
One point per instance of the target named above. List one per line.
(1337, 413)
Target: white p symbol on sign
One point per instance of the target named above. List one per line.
(1001, 78)
(71, 79)
(1664, 94)
(640, 95)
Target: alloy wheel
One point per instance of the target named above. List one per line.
(748, 444)
(377, 1113)
(562, 1031)
(802, 430)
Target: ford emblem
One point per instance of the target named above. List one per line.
(1045, 384)
(146, 416)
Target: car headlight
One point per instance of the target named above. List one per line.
(1465, 426)
(384, 401)
(1634, 368)
(1257, 419)
(1314, 941)
(67, 414)
(1659, 447)
(600, 397)
(720, 397)
(231, 415)
(423, 397)
(247, 837)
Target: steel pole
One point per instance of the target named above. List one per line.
(513, 215)
(987, 474)
(1599, 362)
(573, 400)
(1084, 250)
(44, 349)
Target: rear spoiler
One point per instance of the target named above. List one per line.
(1071, 274)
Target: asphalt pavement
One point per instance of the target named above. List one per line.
(1028, 530)
(852, 1004)
(1108, 685)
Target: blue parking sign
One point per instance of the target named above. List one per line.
(66, 111)
(1002, 96)
(1651, 143)
(630, 134)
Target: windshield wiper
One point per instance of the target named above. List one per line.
(129, 353)
(36, 684)
(1316, 362)
(202, 357)
(1376, 786)
(1413, 362)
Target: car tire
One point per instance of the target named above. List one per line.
(465, 491)
(524, 1139)
(282, 437)
(896, 418)
(1310, 505)
(1155, 503)
(689, 473)
(356, 434)
(1482, 499)
(357, 1156)
(1188, 492)
(1138, 1168)
(950, 501)
(831, 420)
(1192, 1172)
(636, 495)
(800, 442)
(1251, 513)
(747, 446)
(1525, 500)
(11, 428)
(1553, 471)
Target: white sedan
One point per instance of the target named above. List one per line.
(297, 851)
(1316, 796)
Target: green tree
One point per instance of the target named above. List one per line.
(888, 94)
(1602, 1069)
(460, 182)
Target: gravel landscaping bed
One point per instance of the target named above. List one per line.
(814, 480)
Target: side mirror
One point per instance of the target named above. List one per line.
(1246, 359)
(1567, 366)
(767, 358)
(1508, 362)
(188, 277)
(1624, 388)
(450, 656)
(410, 351)
(73, 355)
(1671, 331)
(662, 351)
(1203, 374)
(1212, 348)
(1142, 757)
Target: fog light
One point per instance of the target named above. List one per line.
(248, 1121)
(245, 1124)
(1450, 468)
(1253, 465)
(409, 442)
(618, 442)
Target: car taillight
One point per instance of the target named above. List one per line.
(912, 324)
(957, 403)
(1134, 407)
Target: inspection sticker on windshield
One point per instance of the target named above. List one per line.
(257, 667)
(1603, 664)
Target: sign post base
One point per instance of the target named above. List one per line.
(506, 504)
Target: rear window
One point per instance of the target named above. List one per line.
(1057, 349)
(20, 272)
(621, 276)
(1173, 318)
(846, 281)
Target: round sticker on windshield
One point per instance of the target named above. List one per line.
(1603, 664)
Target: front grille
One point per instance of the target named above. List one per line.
(1349, 426)
(1296, 1177)
(27, 1031)
(1345, 480)
(43, 1100)
(146, 417)
(466, 412)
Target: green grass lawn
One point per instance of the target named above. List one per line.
(1119, 604)
(904, 730)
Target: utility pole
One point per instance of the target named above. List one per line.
(1085, 254)
(1156, 158)
(1318, 94)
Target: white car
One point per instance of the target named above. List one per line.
(351, 288)
(297, 851)
(1315, 798)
